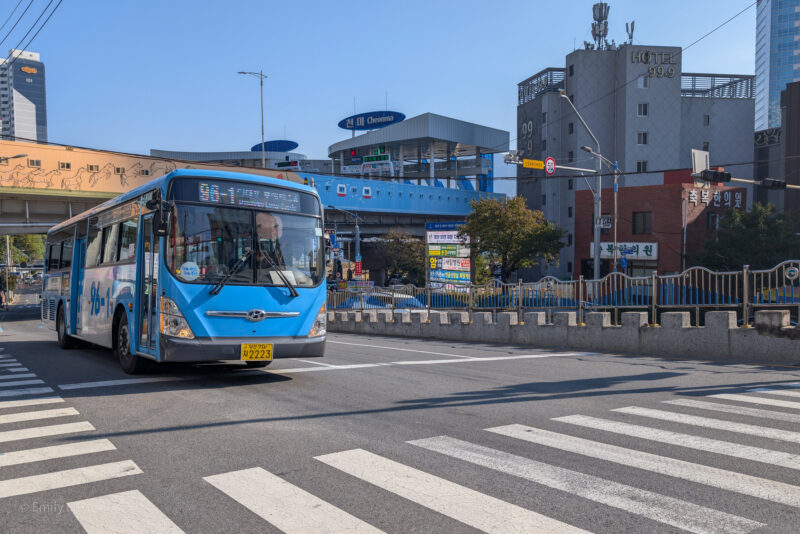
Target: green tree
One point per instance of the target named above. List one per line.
(404, 255)
(760, 238)
(511, 233)
(32, 245)
(481, 269)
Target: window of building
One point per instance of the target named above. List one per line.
(93, 168)
(569, 266)
(643, 82)
(705, 146)
(571, 128)
(570, 184)
(144, 172)
(544, 144)
(641, 138)
(642, 222)
(544, 118)
(569, 211)
(570, 156)
(544, 200)
(706, 120)
(569, 240)
(572, 98)
(127, 240)
(642, 109)
(119, 170)
(712, 220)
(3, 161)
(64, 165)
(572, 70)
(34, 163)
(641, 166)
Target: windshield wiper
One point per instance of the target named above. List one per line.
(235, 269)
(280, 274)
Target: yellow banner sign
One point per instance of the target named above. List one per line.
(533, 164)
(28, 70)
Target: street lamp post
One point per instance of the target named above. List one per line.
(615, 168)
(357, 229)
(598, 189)
(8, 248)
(260, 75)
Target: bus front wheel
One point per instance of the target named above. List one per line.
(130, 363)
(64, 340)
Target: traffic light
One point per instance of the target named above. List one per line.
(383, 150)
(352, 152)
(716, 176)
(773, 183)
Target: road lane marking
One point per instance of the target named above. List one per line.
(727, 448)
(757, 400)
(17, 369)
(20, 383)
(26, 375)
(30, 402)
(774, 391)
(55, 451)
(124, 382)
(314, 363)
(24, 391)
(472, 508)
(717, 424)
(761, 488)
(40, 414)
(284, 505)
(399, 348)
(127, 512)
(10, 363)
(62, 479)
(675, 512)
(42, 431)
(738, 410)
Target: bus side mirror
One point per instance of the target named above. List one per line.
(161, 218)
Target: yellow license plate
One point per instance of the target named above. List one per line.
(257, 351)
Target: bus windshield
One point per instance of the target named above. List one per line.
(205, 242)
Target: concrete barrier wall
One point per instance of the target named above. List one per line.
(772, 339)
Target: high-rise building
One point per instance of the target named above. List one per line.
(777, 57)
(23, 107)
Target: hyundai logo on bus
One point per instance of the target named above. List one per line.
(371, 120)
(256, 315)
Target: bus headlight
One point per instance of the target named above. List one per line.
(173, 323)
(320, 323)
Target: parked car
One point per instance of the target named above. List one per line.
(380, 300)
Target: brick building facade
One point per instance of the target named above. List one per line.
(651, 221)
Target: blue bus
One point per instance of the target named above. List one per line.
(194, 266)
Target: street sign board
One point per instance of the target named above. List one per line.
(358, 270)
(533, 164)
(604, 222)
(448, 251)
(449, 264)
(550, 166)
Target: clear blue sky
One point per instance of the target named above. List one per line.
(135, 75)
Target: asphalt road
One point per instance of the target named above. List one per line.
(393, 435)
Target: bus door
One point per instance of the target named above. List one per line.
(79, 263)
(148, 287)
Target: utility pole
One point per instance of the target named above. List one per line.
(260, 75)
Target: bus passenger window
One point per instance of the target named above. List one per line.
(127, 240)
(93, 246)
(66, 254)
(110, 234)
(53, 256)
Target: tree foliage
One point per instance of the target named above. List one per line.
(405, 256)
(27, 247)
(511, 233)
(760, 238)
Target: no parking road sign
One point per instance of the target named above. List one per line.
(550, 166)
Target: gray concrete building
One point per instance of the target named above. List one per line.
(647, 115)
(23, 99)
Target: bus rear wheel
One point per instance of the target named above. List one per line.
(130, 363)
(64, 340)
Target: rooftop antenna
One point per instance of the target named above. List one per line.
(630, 31)
(600, 25)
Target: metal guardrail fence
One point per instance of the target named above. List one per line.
(696, 290)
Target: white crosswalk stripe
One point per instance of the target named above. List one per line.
(55, 451)
(24, 391)
(30, 402)
(10, 363)
(776, 391)
(20, 383)
(24, 375)
(745, 452)
(17, 369)
(70, 477)
(757, 400)
(717, 424)
(42, 431)
(761, 488)
(674, 512)
(284, 505)
(128, 512)
(738, 410)
(471, 507)
(40, 414)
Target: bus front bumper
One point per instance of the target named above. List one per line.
(214, 349)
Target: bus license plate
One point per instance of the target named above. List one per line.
(256, 351)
